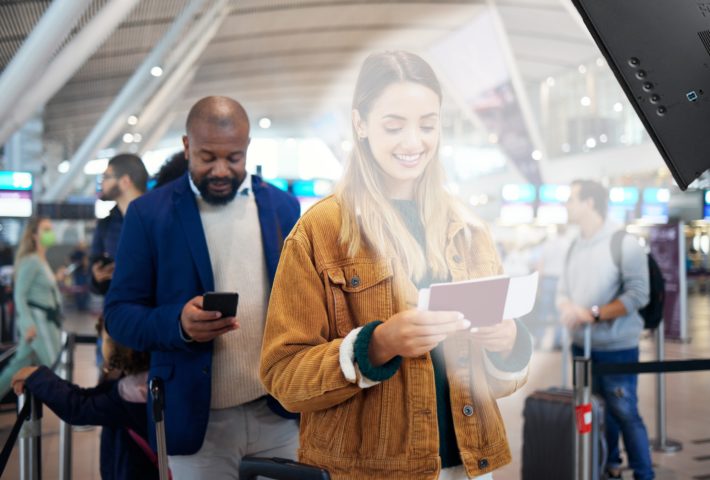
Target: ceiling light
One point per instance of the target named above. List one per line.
(137, 137)
(591, 143)
(536, 155)
(127, 138)
(550, 82)
(132, 120)
(264, 122)
(585, 101)
(156, 71)
(582, 69)
(618, 107)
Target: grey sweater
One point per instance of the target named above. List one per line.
(590, 277)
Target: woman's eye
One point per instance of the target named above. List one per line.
(427, 129)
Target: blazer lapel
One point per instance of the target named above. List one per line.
(186, 210)
(271, 235)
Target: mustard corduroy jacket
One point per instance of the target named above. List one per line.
(388, 431)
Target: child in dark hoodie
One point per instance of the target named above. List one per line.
(118, 404)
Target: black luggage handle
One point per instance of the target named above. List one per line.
(156, 391)
(279, 469)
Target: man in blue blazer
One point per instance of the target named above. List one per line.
(217, 228)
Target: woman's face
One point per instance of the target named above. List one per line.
(403, 130)
(45, 234)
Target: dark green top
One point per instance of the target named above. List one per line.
(448, 449)
(516, 361)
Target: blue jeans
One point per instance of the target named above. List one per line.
(622, 416)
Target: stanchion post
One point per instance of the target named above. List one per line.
(582, 382)
(662, 443)
(66, 371)
(30, 439)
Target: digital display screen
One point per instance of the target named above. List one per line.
(15, 194)
(654, 207)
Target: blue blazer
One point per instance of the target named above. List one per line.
(162, 262)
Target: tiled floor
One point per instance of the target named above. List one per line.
(688, 408)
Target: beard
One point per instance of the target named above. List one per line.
(213, 199)
(111, 194)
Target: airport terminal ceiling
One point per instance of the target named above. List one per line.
(294, 62)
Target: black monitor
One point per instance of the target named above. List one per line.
(659, 51)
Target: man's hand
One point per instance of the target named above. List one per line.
(102, 273)
(203, 326)
(18, 380)
(573, 315)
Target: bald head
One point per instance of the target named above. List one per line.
(217, 113)
(216, 147)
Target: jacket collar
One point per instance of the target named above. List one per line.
(272, 236)
(186, 210)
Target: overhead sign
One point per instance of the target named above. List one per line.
(15, 194)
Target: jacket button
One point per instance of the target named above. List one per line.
(457, 258)
(205, 370)
(468, 410)
(355, 281)
(483, 463)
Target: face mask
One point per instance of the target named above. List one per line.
(47, 238)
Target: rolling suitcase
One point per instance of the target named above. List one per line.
(279, 469)
(549, 429)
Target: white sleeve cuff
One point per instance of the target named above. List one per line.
(501, 374)
(347, 361)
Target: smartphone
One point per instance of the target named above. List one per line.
(222, 302)
(104, 260)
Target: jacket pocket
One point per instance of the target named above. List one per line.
(360, 292)
(323, 427)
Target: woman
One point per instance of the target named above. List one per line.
(416, 393)
(37, 302)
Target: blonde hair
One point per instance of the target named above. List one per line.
(368, 217)
(28, 244)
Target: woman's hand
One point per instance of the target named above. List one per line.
(496, 338)
(30, 334)
(413, 333)
(18, 380)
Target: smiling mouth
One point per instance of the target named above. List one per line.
(408, 159)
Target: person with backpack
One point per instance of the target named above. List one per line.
(595, 289)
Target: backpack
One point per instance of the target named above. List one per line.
(652, 313)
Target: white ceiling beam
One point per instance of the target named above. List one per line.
(35, 53)
(66, 64)
(517, 82)
(111, 122)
